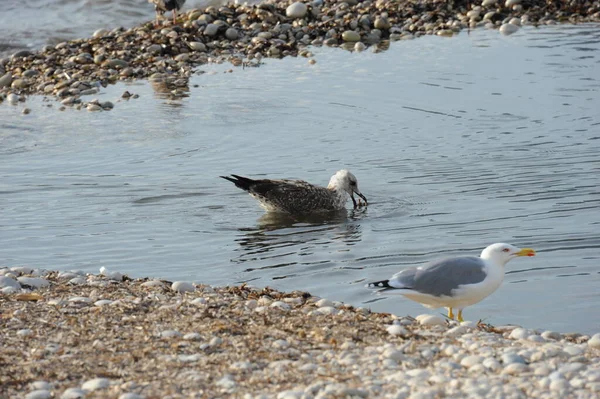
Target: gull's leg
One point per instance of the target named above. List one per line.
(450, 314)
(460, 318)
(174, 16)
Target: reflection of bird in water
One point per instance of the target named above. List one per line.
(162, 6)
(277, 230)
(298, 197)
(455, 282)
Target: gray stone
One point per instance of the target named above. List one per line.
(296, 10)
(350, 36)
(211, 30)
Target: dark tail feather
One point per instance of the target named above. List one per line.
(379, 284)
(240, 181)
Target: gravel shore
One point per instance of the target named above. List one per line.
(167, 55)
(75, 335)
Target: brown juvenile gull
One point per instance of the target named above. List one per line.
(300, 197)
(454, 283)
(162, 6)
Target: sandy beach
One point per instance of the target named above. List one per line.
(72, 335)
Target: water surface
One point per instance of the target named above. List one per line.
(457, 143)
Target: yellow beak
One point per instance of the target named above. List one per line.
(526, 252)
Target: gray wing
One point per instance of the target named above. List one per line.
(294, 196)
(440, 277)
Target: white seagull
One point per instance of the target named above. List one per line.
(162, 6)
(454, 283)
(299, 197)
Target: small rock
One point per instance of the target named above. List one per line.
(93, 107)
(510, 3)
(80, 299)
(508, 29)
(95, 384)
(192, 337)
(321, 303)
(350, 36)
(34, 282)
(6, 80)
(100, 33)
(26, 111)
(130, 395)
(519, 333)
(103, 302)
(78, 281)
(296, 10)
(231, 34)
(73, 393)
(199, 301)
(168, 334)
(182, 287)
(509, 358)
(382, 23)
(470, 361)
(153, 283)
(41, 385)
(115, 63)
(281, 344)
(211, 30)
(39, 394)
(551, 335)
(25, 332)
(197, 46)
(488, 3)
(396, 330)
(280, 305)
(594, 342)
(9, 282)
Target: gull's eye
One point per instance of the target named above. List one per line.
(352, 183)
(506, 250)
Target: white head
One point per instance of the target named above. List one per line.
(502, 253)
(345, 181)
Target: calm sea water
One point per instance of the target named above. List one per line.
(457, 143)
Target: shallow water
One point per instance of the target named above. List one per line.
(457, 143)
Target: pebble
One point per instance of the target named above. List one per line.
(34, 282)
(471, 360)
(130, 395)
(103, 302)
(197, 46)
(78, 280)
(351, 36)
(192, 337)
(39, 394)
(41, 385)
(183, 286)
(431, 320)
(6, 80)
(73, 393)
(594, 342)
(105, 272)
(153, 283)
(296, 10)
(509, 358)
(231, 34)
(168, 334)
(9, 282)
(95, 384)
(397, 330)
(80, 299)
(22, 269)
(519, 333)
(94, 107)
(510, 3)
(24, 333)
(488, 3)
(199, 301)
(551, 335)
(280, 305)
(508, 29)
(321, 303)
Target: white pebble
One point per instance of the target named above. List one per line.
(96, 383)
(327, 310)
(103, 302)
(281, 344)
(111, 275)
(66, 275)
(6, 281)
(420, 374)
(199, 301)
(39, 394)
(153, 283)
(519, 333)
(280, 305)
(80, 299)
(573, 350)
(551, 335)
(509, 358)
(470, 361)
(10, 290)
(73, 393)
(167, 334)
(25, 332)
(560, 385)
(510, 3)
(396, 330)
(22, 269)
(321, 303)
(508, 29)
(296, 10)
(487, 3)
(130, 395)
(515, 368)
(536, 338)
(79, 280)
(393, 354)
(458, 330)
(183, 286)
(41, 385)
(251, 304)
(192, 337)
(227, 382)
(491, 364)
(594, 342)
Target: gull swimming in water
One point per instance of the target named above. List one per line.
(300, 197)
(162, 6)
(454, 283)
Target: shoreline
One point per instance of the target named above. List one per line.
(74, 335)
(243, 35)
